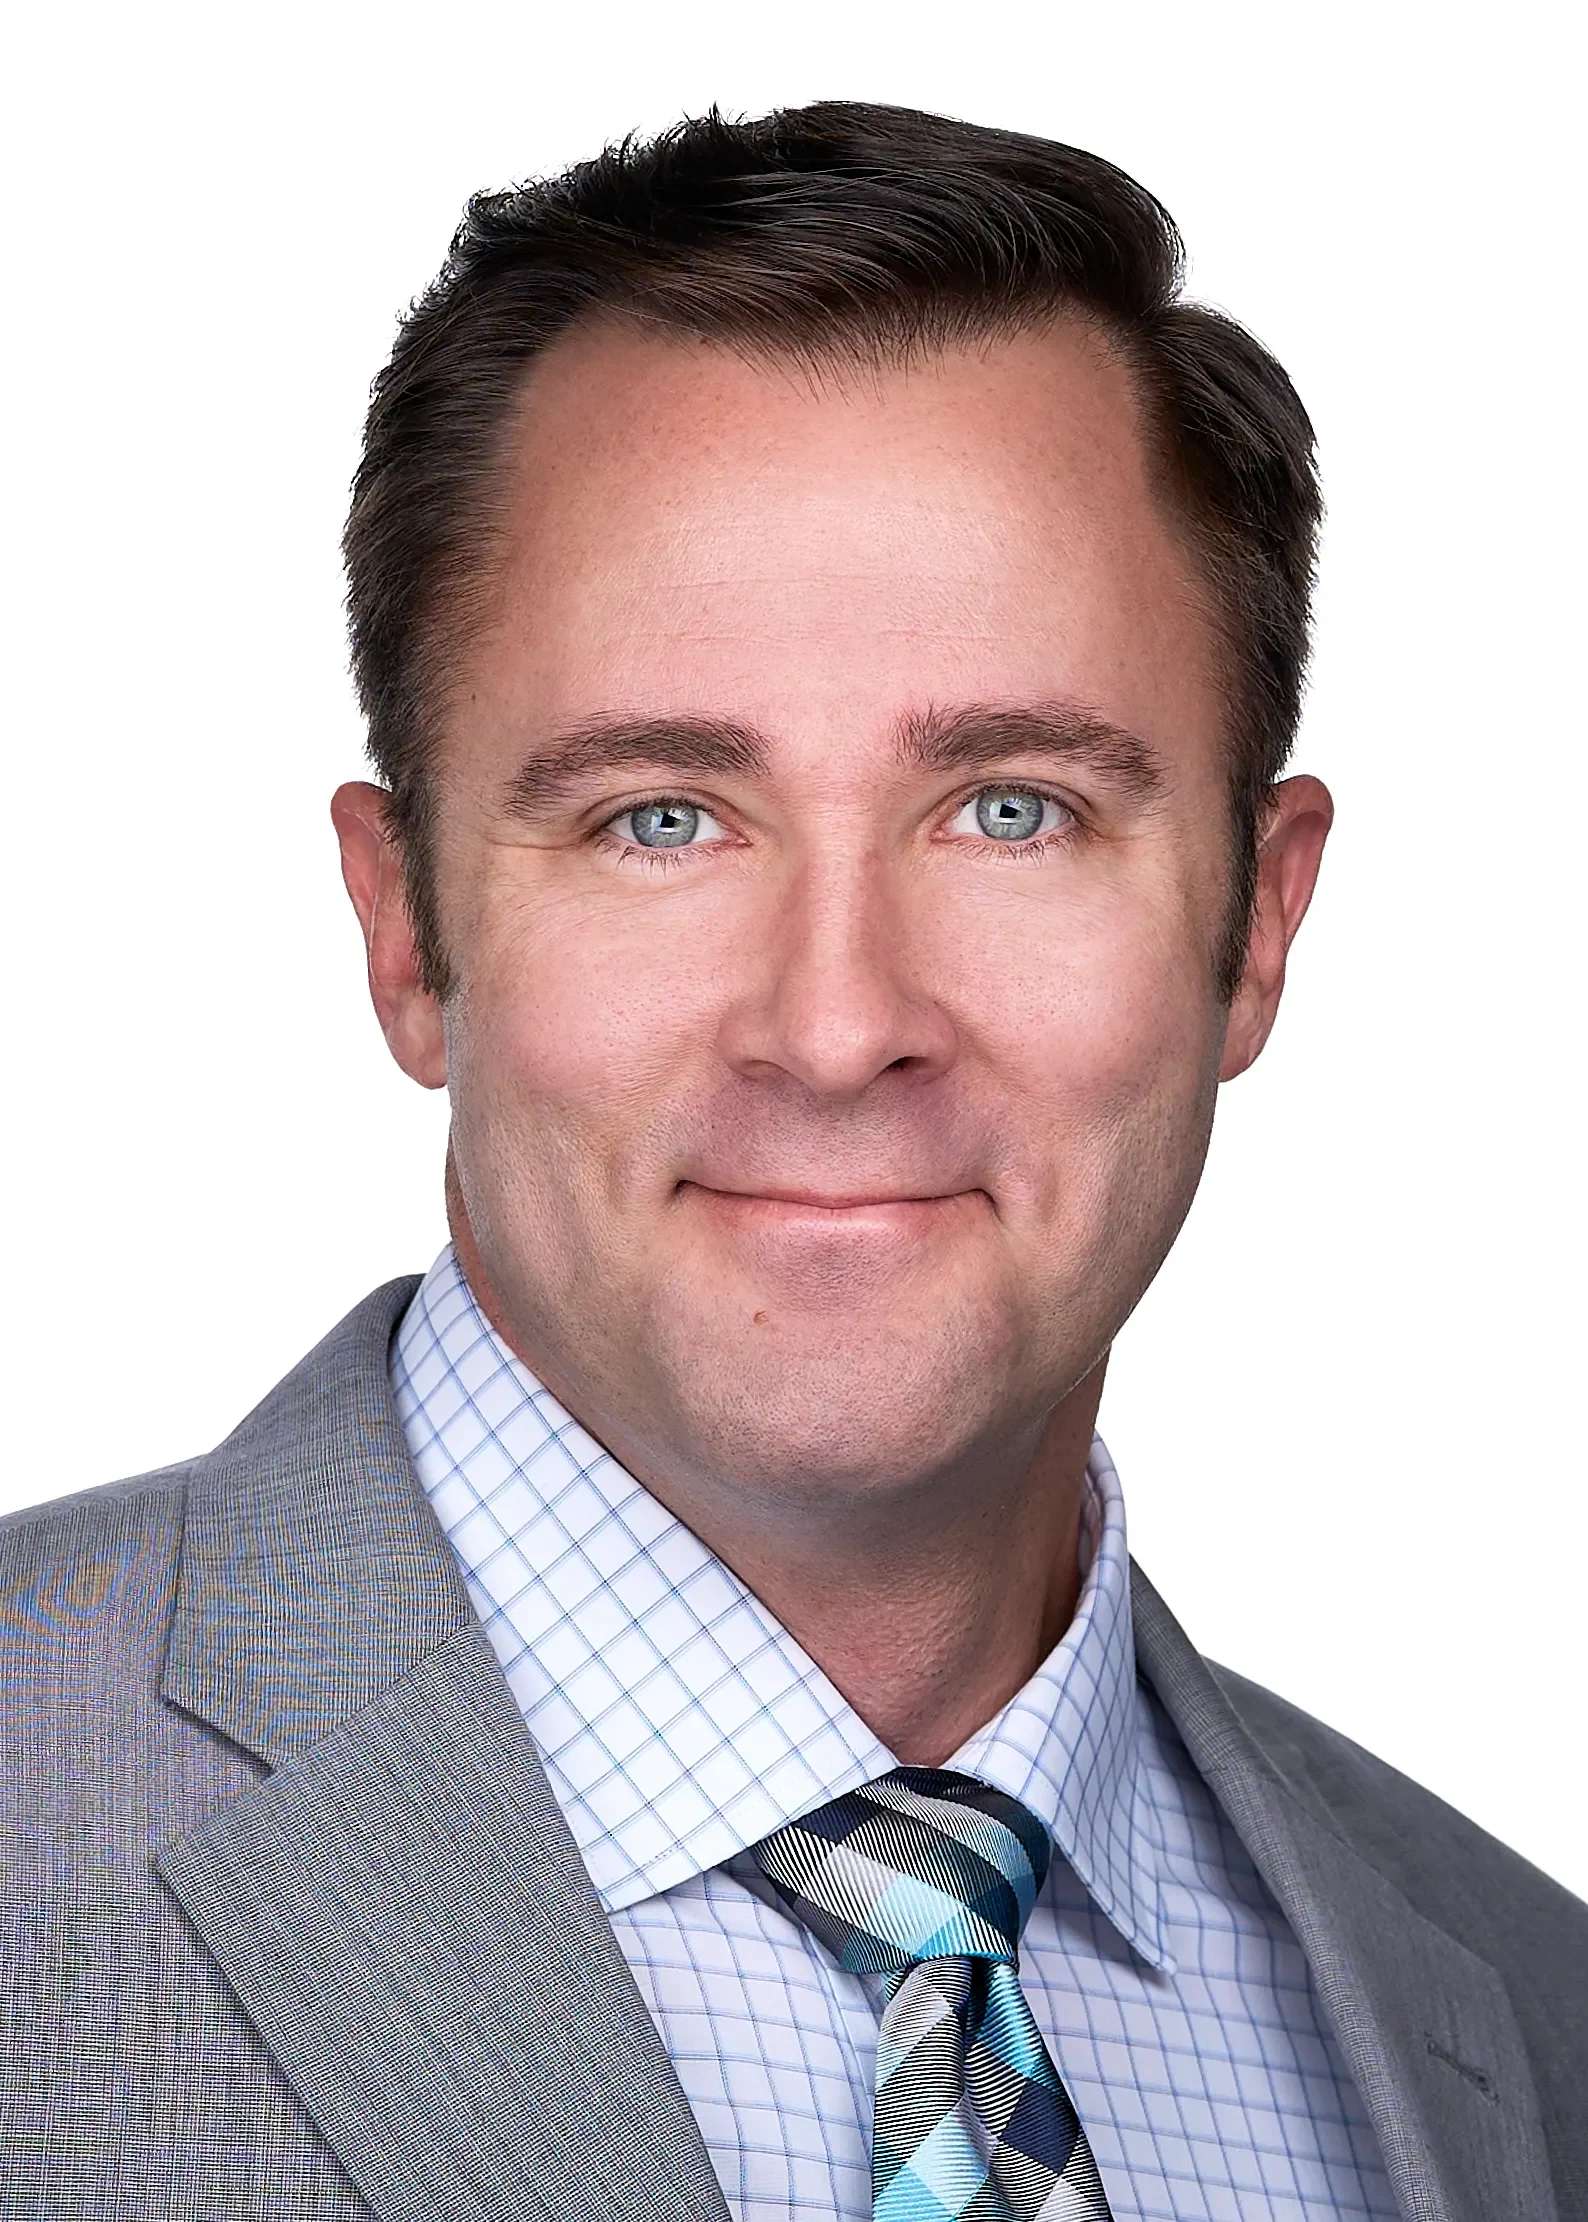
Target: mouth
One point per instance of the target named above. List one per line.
(835, 1206)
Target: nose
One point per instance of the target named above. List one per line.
(832, 997)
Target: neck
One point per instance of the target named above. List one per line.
(928, 1611)
(928, 1627)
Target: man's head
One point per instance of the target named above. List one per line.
(830, 623)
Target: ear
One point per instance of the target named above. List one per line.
(1291, 850)
(410, 1016)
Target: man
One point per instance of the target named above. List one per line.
(657, 1720)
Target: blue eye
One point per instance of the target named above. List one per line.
(1013, 813)
(663, 825)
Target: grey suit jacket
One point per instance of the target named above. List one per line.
(293, 1927)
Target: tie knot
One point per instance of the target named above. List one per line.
(921, 1865)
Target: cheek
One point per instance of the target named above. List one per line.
(1098, 982)
(1100, 1019)
(1136, 1027)
(570, 1016)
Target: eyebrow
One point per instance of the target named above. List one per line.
(980, 733)
(604, 744)
(933, 740)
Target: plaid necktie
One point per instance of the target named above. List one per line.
(927, 1878)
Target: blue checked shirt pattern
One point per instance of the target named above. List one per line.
(680, 1724)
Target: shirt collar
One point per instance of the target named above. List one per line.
(679, 1722)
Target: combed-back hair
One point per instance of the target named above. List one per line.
(840, 230)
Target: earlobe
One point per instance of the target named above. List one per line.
(1291, 850)
(410, 1016)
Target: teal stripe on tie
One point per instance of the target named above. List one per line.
(927, 1878)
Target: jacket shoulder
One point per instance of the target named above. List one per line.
(1461, 1877)
(68, 1529)
(84, 1526)
(88, 1512)
(86, 1583)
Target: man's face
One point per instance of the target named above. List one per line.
(833, 848)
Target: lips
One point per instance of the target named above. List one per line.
(828, 1251)
(887, 1215)
(809, 1199)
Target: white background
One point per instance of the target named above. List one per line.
(1348, 1414)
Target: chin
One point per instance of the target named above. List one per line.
(848, 1403)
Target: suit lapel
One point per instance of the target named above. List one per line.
(1425, 2025)
(399, 1906)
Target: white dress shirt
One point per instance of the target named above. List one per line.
(679, 1723)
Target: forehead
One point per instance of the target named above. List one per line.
(684, 531)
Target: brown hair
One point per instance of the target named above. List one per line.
(840, 229)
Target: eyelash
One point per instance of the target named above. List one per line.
(631, 852)
(1007, 852)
